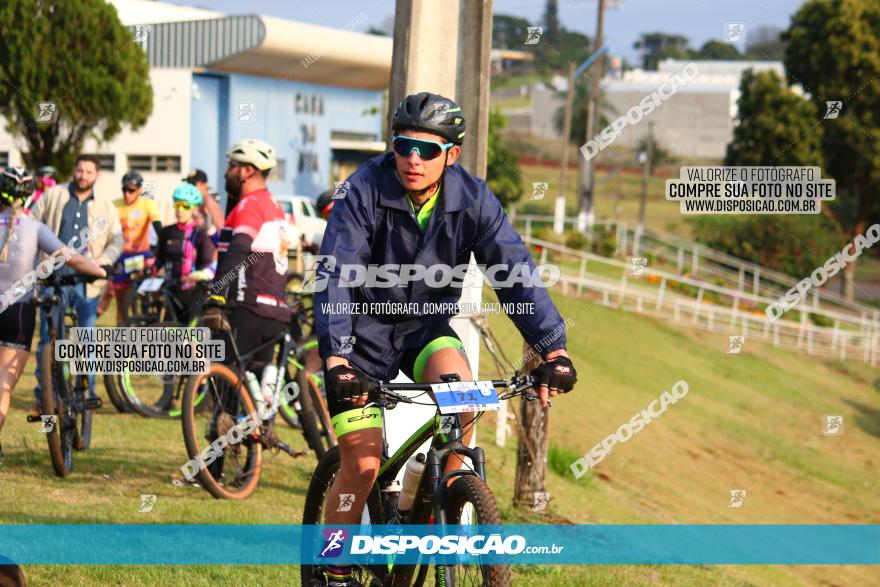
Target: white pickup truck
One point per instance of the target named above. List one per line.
(301, 214)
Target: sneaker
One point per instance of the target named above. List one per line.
(34, 411)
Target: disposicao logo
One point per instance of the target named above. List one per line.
(334, 542)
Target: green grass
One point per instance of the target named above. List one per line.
(750, 421)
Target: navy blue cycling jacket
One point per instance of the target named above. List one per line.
(374, 224)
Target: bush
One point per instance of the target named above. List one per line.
(559, 460)
(794, 245)
(576, 240)
(545, 233)
(822, 321)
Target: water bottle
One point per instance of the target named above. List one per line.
(256, 393)
(270, 386)
(411, 479)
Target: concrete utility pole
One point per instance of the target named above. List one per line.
(586, 169)
(559, 212)
(443, 47)
(573, 75)
(648, 155)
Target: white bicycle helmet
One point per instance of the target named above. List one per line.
(253, 152)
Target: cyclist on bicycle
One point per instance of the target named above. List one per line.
(186, 252)
(414, 206)
(136, 214)
(21, 242)
(252, 266)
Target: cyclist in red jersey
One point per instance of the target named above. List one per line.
(252, 266)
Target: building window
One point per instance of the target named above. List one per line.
(155, 163)
(277, 173)
(4, 158)
(105, 162)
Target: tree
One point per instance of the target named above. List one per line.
(765, 44)
(552, 28)
(658, 46)
(509, 31)
(579, 115)
(774, 126)
(78, 55)
(833, 50)
(717, 50)
(502, 172)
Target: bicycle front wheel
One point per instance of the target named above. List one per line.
(230, 468)
(313, 415)
(115, 393)
(60, 437)
(471, 502)
(314, 513)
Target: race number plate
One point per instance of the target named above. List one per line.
(466, 396)
(150, 285)
(132, 264)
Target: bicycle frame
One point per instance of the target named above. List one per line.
(433, 484)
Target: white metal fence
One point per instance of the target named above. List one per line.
(695, 303)
(705, 263)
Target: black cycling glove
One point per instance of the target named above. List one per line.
(556, 373)
(345, 384)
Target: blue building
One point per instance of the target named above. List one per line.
(316, 94)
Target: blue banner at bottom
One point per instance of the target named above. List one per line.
(161, 544)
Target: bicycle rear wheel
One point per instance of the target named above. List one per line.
(60, 438)
(471, 502)
(231, 471)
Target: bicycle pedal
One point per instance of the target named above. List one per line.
(93, 403)
(32, 418)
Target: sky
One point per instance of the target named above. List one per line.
(699, 20)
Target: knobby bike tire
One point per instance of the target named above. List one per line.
(194, 435)
(84, 418)
(470, 489)
(313, 426)
(171, 386)
(313, 511)
(50, 404)
(115, 394)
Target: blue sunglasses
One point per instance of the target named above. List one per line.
(427, 150)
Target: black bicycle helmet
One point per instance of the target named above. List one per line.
(324, 203)
(132, 177)
(47, 171)
(16, 183)
(430, 113)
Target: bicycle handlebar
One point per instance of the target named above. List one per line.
(58, 280)
(385, 393)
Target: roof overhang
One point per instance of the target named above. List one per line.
(355, 145)
(272, 47)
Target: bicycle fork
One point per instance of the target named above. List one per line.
(438, 481)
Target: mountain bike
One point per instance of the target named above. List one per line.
(235, 473)
(468, 500)
(148, 395)
(65, 395)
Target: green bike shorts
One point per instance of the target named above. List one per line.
(346, 418)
